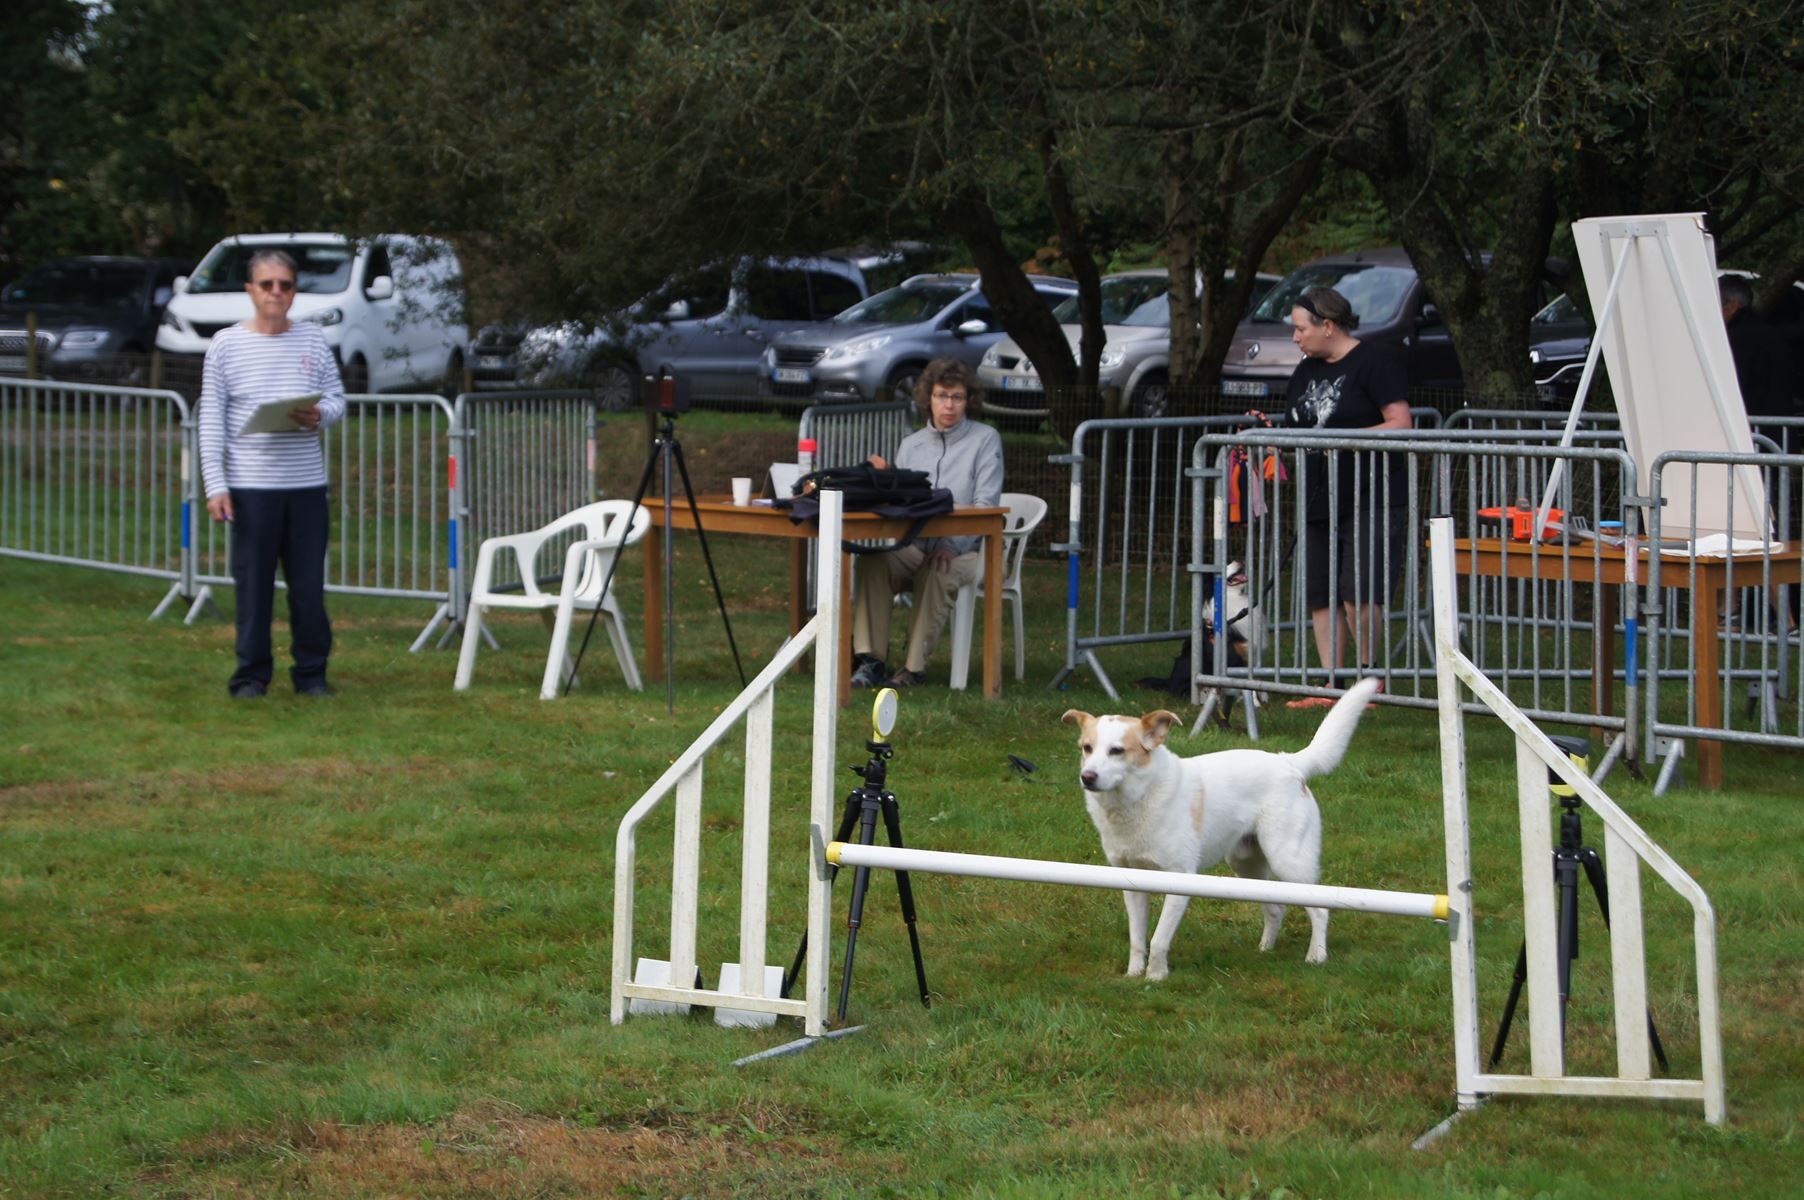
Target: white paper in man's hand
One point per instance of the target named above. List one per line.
(272, 415)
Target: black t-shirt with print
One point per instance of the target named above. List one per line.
(1349, 394)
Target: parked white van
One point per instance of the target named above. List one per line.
(391, 306)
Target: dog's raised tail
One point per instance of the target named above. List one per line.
(1329, 746)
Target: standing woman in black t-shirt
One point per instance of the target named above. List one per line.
(1344, 384)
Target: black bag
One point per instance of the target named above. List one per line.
(887, 491)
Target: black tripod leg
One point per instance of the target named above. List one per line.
(846, 821)
(861, 883)
(1565, 880)
(892, 822)
(1566, 872)
(1600, 888)
(702, 535)
(1509, 1006)
(651, 461)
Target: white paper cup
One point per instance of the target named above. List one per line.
(742, 490)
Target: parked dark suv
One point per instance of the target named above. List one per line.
(1393, 308)
(96, 317)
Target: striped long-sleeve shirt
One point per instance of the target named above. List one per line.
(245, 368)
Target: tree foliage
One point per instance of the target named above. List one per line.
(581, 151)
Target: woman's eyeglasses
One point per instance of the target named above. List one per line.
(275, 285)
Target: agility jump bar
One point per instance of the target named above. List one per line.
(1132, 879)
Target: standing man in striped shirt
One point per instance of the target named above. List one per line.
(271, 487)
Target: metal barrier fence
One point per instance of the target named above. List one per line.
(524, 459)
(1127, 485)
(96, 476)
(390, 464)
(846, 434)
(1723, 631)
(1539, 619)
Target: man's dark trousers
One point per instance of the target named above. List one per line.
(287, 526)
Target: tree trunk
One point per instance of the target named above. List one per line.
(1076, 245)
(1243, 239)
(1178, 168)
(1486, 305)
(1019, 307)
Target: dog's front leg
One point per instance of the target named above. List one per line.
(1158, 965)
(1136, 908)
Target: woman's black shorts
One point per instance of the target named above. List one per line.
(1370, 548)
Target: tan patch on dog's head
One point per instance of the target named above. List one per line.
(1086, 727)
(1138, 748)
(1155, 725)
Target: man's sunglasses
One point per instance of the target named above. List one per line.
(276, 285)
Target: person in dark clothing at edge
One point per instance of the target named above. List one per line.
(1343, 383)
(963, 456)
(1763, 362)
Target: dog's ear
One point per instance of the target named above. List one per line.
(1155, 725)
(1076, 716)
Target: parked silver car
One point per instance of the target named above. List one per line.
(712, 326)
(877, 348)
(1136, 358)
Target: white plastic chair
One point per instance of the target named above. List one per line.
(585, 567)
(1025, 513)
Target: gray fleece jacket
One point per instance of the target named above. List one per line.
(967, 460)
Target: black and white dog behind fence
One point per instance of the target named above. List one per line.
(1242, 627)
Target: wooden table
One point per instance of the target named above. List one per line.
(1609, 565)
(719, 515)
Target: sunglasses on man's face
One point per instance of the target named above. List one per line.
(275, 285)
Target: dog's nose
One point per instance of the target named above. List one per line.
(1089, 778)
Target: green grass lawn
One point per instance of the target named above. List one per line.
(360, 948)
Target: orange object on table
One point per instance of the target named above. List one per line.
(1518, 521)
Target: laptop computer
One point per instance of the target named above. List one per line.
(780, 482)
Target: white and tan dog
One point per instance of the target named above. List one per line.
(1155, 810)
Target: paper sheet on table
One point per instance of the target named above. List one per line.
(1721, 545)
(272, 415)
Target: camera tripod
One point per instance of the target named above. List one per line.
(863, 803)
(665, 451)
(1568, 857)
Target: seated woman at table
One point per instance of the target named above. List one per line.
(956, 453)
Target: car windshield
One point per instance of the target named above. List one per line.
(703, 294)
(1376, 293)
(1155, 313)
(81, 285)
(1121, 296)
(1562, 310)
(909, 304)
(325, 267)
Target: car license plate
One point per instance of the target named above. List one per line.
(1244, 387)
(489, 362)
(12, 362)
(790, 375)
(1021, 383)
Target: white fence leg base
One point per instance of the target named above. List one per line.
(1669, 769)
(442, 613)
(797, 1046)
(203, 602)
(1431, 1136)
(655, 972)
(740, 1018)
(170, 597)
